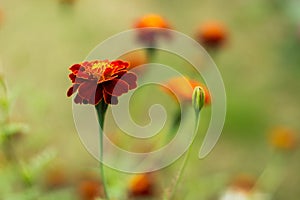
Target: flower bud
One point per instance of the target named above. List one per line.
(198, 98)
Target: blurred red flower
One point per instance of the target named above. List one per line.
(151, 21)
(97, 80)
(212, 34)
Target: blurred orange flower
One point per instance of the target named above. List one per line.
(96, 80)
(151, 21)
(141, 185)
(184, 87)
(212, 34)
(90, 189)
(283, 138)
(135, 58)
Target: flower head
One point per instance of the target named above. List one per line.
(97, 80)
(283, 138)
(212, 34)
(149, 36)
(184, 88)
(141, 185)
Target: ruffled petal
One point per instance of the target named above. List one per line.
(72, 77)
(75, 68)
(110, 99)
(82, 74)
(72, 90)
(107, 72)
(130, 79)
(116, 87)
(98, 95)
(87, 89)
(120, 73)
(78, 99)
(119, 65)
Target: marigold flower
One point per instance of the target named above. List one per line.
(97, 80)
(212, 34)
(151, 21)
(141, 185)
(283, 138)
(184, 89)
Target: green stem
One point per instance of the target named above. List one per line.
(183, 166)
(151, 54)
(101, 110)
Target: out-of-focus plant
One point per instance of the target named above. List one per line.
(198, 101)
(150, 36)
(183, 87)
(26, 171)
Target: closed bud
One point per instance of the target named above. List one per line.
(198, 99)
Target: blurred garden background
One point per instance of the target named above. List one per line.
(259, 60)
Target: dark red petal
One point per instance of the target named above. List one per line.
(78, 99)
(75, 68)
(99, 95)
(110, 99)
(72, 77)
(107, 72)
(120, 73)
(87, 89)
(130, 79)
(119, 65)
(116, 87)
(106, 79)
(70, 91)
